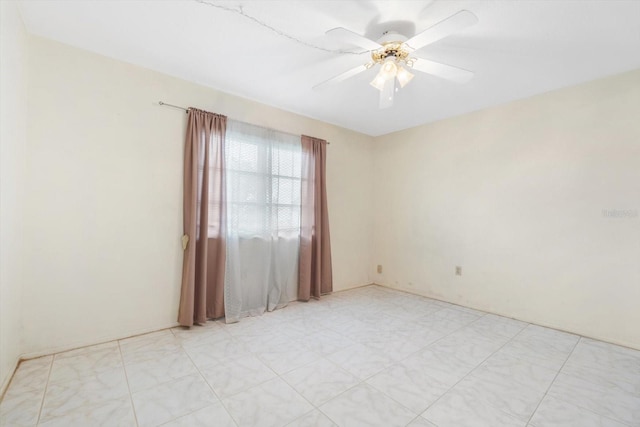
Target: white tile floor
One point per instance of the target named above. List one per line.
(365, 357)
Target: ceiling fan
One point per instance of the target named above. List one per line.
(392, 52)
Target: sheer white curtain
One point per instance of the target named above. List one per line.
(263, 183)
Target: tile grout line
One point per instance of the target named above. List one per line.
(277, 376)
(280, 377)
(590, 411)
(364, 381)
(323, 356)
(561, 398)
(339, 394)
(46, 386)
(554, 379)
(126, 377)
(477, 366)
(462, 327)
(442, 337)
(422, 348)
(206, 382)
(315, 408)
(418, 417)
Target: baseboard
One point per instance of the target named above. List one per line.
(61, 349)
(353, 287)
(522, 319)
(102, 340)
(8, 378)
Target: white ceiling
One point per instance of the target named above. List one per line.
(518, 49)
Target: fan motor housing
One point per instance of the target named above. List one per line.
(391, 37)
(394, 50)
(392, 47)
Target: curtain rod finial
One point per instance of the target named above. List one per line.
(173, 106)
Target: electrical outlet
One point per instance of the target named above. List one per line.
(379, 269)
(458, 270)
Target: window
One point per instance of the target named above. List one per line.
(263, 181)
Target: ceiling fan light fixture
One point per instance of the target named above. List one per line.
(378, 81)
(403, 76)
(388, 71)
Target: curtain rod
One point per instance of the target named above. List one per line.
(186, 110)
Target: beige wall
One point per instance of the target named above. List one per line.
(13, 141)
(515, 195)
(104, 206)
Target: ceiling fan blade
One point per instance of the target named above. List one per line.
(442, 29)
(342, 77)
(386, 94)
(444, 71)
(350, 37)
